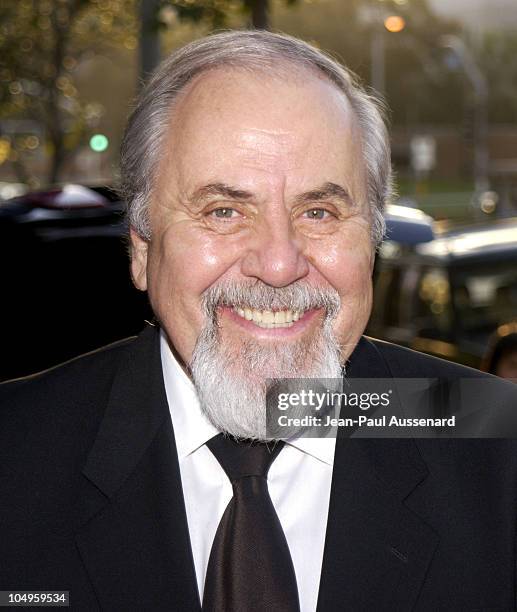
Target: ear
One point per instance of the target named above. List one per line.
(373, 260)
(139, 248)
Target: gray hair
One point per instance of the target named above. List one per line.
(253, 50)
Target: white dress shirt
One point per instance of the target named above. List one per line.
(299, 485)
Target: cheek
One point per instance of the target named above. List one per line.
(185, 265)
(356, 291)
(346, 267)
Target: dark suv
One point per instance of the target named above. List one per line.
(446, 296)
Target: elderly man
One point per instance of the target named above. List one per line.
(143, 476)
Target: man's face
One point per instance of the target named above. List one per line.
(261, 184)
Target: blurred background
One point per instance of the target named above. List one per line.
(446, 277)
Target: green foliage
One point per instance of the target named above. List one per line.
(215, 12)
(220, 13)
(42, 43)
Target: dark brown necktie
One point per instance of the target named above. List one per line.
(250, 567)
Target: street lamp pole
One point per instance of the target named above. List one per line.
(480, 87)
(380, 21)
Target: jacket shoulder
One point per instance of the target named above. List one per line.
(68, 390)
(406, 363)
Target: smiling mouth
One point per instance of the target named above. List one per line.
(269, 319)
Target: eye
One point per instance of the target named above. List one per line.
(224, 213)
(317, 214)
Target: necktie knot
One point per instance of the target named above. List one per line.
(241, 458)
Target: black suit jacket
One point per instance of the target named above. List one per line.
(91, 498)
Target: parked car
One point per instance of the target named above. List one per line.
(408, 226)
(447, 295)
(66, 277)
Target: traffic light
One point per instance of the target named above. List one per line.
(99, 143)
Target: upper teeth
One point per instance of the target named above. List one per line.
(268, 318)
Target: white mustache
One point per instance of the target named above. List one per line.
(259, 296)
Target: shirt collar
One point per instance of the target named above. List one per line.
(319, 448)
(191, 427)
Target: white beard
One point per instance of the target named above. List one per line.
(232, 383)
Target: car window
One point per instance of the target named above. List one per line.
(433, 315)
(485, 296)
(386, 305)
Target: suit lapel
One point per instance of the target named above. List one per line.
(377, 551)
(133, 536)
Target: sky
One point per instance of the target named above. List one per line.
(480, 14)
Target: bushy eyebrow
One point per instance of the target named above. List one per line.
(220, 190)
(327, 191)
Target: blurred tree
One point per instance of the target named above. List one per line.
(219, 12)
(42, 44)
(149, 40)
(259, 10)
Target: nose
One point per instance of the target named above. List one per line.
(275, 254)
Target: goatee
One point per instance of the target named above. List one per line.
(232, 381)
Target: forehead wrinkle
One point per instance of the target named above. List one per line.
(265, 147)
(252, 137)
